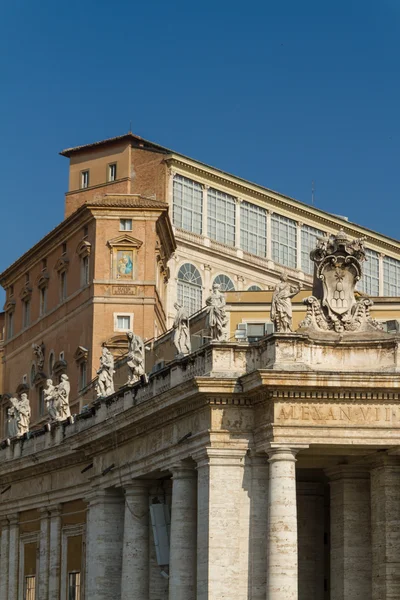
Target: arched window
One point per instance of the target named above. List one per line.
(189, 288)
(225, 282)
(254, 288)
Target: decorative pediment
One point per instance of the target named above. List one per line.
(81, 354)
(9, 306)
(62, 264)
(39, 378)
(42, 280)
(117, 344)
(22, 388)
(125, 241)
(59, 366)
(26, 292)
(84, 248)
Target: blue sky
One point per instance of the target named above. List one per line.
(280, 93)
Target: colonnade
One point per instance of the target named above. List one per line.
(233, 534)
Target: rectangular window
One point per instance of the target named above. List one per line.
(391, 276)
(284, 240)
(82, 375)
(30, 587)
(44, 264)
(43, 301)
(309, 238)
(26, 313)
(85, 270)
(253, 229)
(10, 325)
(123, 322)
(63, 286)
(187, 204)
(64, 248)
(74, 586)
(125, 224)
(369, 282)
(221, 217)
(255, 331)
(84, 179)
(112, 172)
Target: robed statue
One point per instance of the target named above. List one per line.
(281, 306)
(181, 330)
(105, 374)
(135, 358)
(217, 320)
(56, 398)
(18, 416)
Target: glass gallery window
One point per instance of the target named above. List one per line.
(284, 240)
(309, 237)
(189, 288)
(391, 276)
(221, 217)
(187, 204)
(225, 282)
(253, 229)
(369, 282)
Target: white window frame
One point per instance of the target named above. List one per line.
(279, 244)
(71, 531)
(190, 294)
(85, 179)
(311, 232)
(224, 275)
(219, 227)
(253, 229)
(369, 282)
(112, 172)
(395, 264)
(123, 222)
(187, 204)
(123, 314)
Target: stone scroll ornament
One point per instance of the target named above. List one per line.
(333, 306)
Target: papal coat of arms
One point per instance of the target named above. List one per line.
(338, 266)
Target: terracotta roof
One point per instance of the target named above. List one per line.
(133, 138)
(127, 200)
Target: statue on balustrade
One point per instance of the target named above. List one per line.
(19, 415)
(217, 320)
(281, 305)
(135, 357)
(181, 330)
(105, 379)
(56, 398)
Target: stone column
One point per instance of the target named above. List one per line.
(55, 552)
(311, 546)
(13, 558)
(5, 550)
(135, 552)
(104, 537)
(385, 525)
(282, 526)
(223, 524)
(182, 562)
(44, 554)
(350, 533)
(259, 525)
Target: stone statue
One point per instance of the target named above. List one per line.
(281, 305)
(135, 357)
(217, 320)
(62, 398)
(333, 306)
(20, 412)
(49, 399)
(181, 333)
(12, 426)
(105, 379)
(56, 398)
(38, 351)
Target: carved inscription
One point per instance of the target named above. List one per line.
(336, 414)
(124, 290)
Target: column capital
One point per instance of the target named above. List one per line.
(4, 522)
(102, 495)
(183, 470)
(347, 472)
(137, 487)
(229, 457)
(13, 519)
(283, 453)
